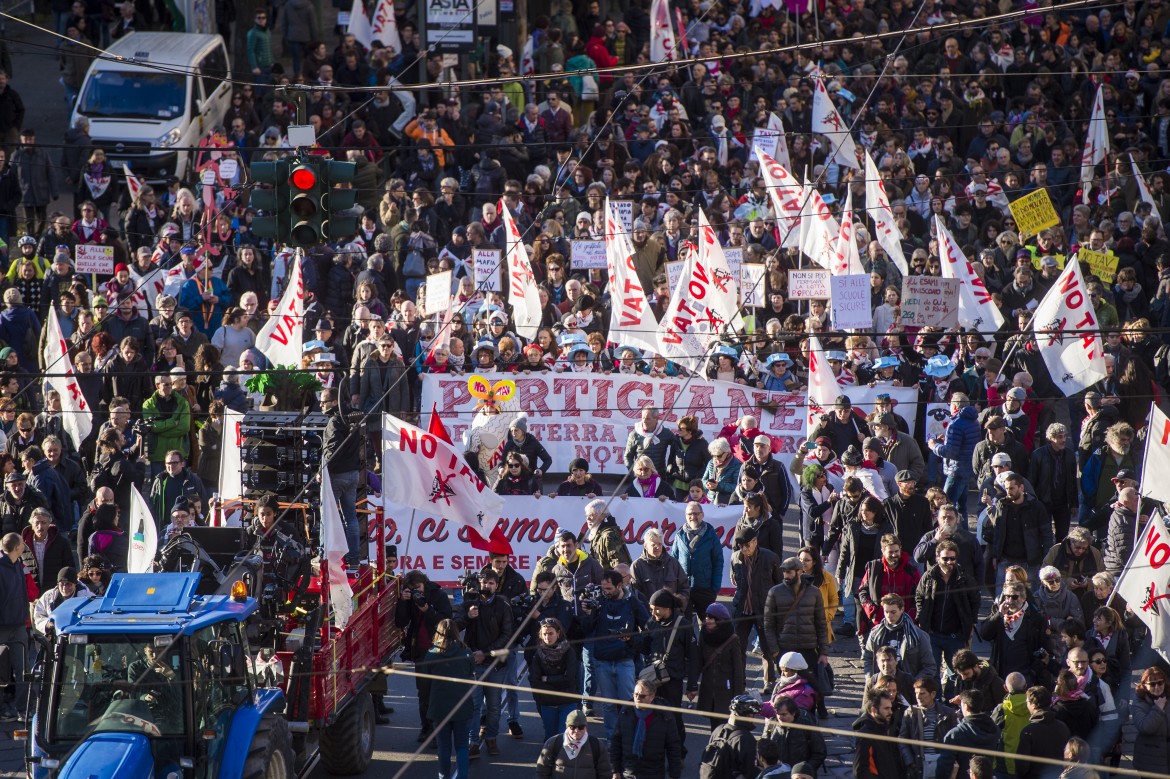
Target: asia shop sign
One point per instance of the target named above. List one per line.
(450, 25)
(441, 547)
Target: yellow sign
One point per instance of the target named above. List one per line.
(1102, 264)
(1033, 213)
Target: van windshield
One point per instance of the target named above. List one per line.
(132, 95)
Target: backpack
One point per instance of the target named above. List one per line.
(719, 756)
(414, 265)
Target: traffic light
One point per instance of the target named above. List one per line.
(272, 199)
(306, 192)
(336, 224)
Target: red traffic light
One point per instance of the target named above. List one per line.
(303, 178)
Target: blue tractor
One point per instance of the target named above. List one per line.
(153, 680)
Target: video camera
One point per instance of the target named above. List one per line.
(469, 583)
(590, 596)
(522, 605)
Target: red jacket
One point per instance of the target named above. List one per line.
(880, 580)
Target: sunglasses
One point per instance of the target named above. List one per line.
(947, 559)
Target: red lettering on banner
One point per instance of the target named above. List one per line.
(431, 529)
(697, 285)
(739, 405)
(1166, 433)
(601, 388)
(454, 393)
(554, 433)
(280, 334)
(626, 405)
(1156, 555)
(701, 406)
(589, 433)
(977, 289)
(532, 396)
(669, 393)
(1067, 281)
(569, 389)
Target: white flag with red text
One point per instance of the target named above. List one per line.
(359, 24)
(822, 384)
(384, 26)
(230, 481)
(786, 193)
(977, 309)
(1144, 584)
(817, 236)
(679, 339)
(334, 548)
(631, 320)
(523, 294)
(133, 183)
(282, 336)
(1156, 461)
(432, 475)
(76, 415)
(723, 291)
(877, 205)
(1076, 359)
(1096, 145)
(846, 258)
(827, 122)
(1144, 195)
(663, 40)
(771, 141)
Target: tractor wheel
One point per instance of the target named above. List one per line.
(347, 746)
(270, 756)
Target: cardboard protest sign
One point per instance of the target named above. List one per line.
(930, 301)
(808, 285)
(1034, 212)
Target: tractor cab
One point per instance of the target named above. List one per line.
(145, 682)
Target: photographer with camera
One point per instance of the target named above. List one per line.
(487, 624)
(672, 653)
(421, 607)
(574, 568)
(512, 586)
(612, 626)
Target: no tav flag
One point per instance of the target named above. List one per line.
(428, 473)
(1156, 462)
(334, 548)
(1076, 359)
(1145, 582)
(282, 336)
(143, 535)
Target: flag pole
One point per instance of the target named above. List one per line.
(410, 533)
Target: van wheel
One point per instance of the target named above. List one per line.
(270, 756)
(347, 746)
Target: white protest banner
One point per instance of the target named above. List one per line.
(977, 309)
(846, 258)
(930, 301)
(95, 259)
(722, 291)
(230, 480)
(282, 336)
(751, 285)
(384, 26)
(1145, 581)
(587, 254)
(523, 295)
(1156, 463)
(334, 549)
(143, 534)
(76, 415)
(487, 269)
(358, 24)
(631, 320)
(850, 302)
(1096, 144)
(817, 236)
(431, 474)
(438, 298)
(1076, 360)
(442, 548)
(808, 285)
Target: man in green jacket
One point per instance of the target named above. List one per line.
(167, 417)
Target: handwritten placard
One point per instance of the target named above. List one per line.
(438, 297)
(625, 212)
(1034, 212)
(1102, 264)
(751, 285)
(588, 254)
(734, 259)
(95, 259)
(487, 269)
(930, 301)
(850, 301)
(808, 284)
(673, 272)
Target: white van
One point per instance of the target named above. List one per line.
(166, 90)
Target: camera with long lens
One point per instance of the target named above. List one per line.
(418, 598)
(469, 583)
(590, 596)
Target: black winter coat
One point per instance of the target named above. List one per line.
(555, 674)
(661, 750)
(935, 595)
(14, 516)
(875, 759)
(57, 555)
(1044, 736)
(411, 618)
(686, 462)
(1048, 468)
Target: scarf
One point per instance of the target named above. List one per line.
(640, 731)
(718, 636)
(1012, 622)
(573, 745)
(693, 537)
(648, 486)
(554, 655)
